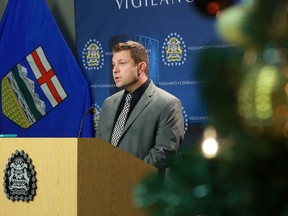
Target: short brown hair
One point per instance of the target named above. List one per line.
(137, 51)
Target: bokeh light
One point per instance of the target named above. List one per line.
(210, 143)
(267, 80)
(210, 147)
(212, 8)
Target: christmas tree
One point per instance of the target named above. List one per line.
(245, 90)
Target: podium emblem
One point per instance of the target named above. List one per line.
(20, 177)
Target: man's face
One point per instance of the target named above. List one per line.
(125, 71)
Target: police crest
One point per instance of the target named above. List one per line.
(92, 55)
(174, 50)
(19, 178)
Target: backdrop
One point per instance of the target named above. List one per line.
(174, 33)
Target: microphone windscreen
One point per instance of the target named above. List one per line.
(92, 110)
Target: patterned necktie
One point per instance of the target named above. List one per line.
(120, 123)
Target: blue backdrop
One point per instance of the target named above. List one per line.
(173, 31)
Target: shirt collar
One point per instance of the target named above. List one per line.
(139, 92)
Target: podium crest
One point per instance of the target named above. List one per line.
(20, 177)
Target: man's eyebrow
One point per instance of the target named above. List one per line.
(118, 60)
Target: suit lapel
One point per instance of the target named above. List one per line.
(141, 105)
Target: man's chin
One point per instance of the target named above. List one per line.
(119, 85)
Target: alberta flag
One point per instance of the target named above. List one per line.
(43, 90)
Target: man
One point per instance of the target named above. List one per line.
(154, 127)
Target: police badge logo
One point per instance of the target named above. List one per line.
(92, 55)
(19, 178)
(174, 51)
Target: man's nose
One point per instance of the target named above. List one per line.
(115, 69)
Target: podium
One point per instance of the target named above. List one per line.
(75, 176)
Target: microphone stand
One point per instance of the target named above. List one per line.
(91, 110)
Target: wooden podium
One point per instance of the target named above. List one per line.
(84, 176)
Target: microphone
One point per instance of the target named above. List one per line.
(91, 110)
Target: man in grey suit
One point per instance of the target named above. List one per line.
(154, 126)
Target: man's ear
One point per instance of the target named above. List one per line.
(142, 66)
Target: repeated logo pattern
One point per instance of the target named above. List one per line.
(174, 52)
(92, 55)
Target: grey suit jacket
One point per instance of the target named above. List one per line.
(154, 130)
